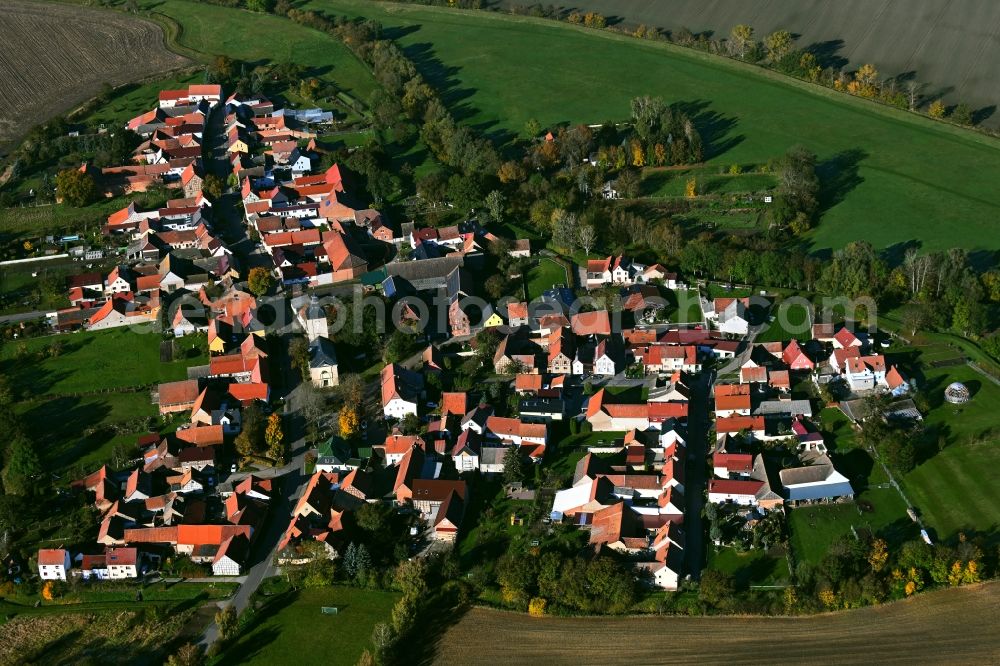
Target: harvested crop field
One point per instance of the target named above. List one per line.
(950, 626)
(56, 56)
(952, 47)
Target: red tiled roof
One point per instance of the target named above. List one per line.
(178, 393)
(738, 423)
(591, 323)
(732, 487)
(454, 403)
(202, 436)
(734, 462)
(51, 556)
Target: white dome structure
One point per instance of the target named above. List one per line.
(957, 393)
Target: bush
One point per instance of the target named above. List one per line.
(536, 608)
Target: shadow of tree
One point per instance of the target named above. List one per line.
(827, 53)
(715, 128)
(838, 176)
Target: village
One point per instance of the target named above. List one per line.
(666, 418)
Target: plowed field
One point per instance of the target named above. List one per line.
(53, 57)
(956, 626)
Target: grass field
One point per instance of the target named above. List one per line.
(291, 628)
(887, 176)
(754, 567)
(791, 320)
(69, 406)
(131, 100)
(961, 622)
(814, 528)
(543, 276)
(685, 306)
(899, 38)
(952, 488)
(261, 38)
(89, 361)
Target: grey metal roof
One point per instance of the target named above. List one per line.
(322, 353)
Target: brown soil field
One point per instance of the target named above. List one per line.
(955, 626)
(952, 46)
(54, 57)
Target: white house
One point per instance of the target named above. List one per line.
(122, 563)
(865, 373)
(731, 315)
(53, 563)
(604, 362)
(400, 391)
(230, 556)
(94, 566)
(729, 491)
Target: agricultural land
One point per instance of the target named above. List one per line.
(960, 622)
(950, 48)
(55, 57)
(888, 177)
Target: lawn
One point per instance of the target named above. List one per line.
(260, 38)
(89, 361)
(291, 627)
(545, 274)
(73, 405)
(791, 320)
(132, 100)
(685, 306)
(953, 489)
(888, 176)
(754, 567)
(815, 528)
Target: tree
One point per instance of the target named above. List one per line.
(76, 187)
(532, 128)
(274, 437)
(511, 172)
(740, 40)
(936, 109)
(298, 352)
(778, 44)
(213, 186)
(564, 229)
(961, 114)
(260, 280)
(188, 654)
(586, 237)
(411, 577)
(227, 622)
(879, 555)
(23, 466)
(716, 587)
(349, 421)
(495, 286)
(865, 81)
(628, 183)
(915, 317)
(691, 188)
(536, 608)
(495, 205)
(638, 154)
(513, 467)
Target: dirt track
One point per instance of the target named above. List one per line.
(949, 626)
(953, 46)
(54, 57)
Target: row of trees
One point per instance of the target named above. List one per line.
(598, 585)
